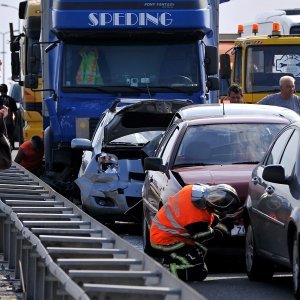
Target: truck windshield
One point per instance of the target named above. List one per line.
(131, 66)
(266, 64)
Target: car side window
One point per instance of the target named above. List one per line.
(276, 152)
(289, 156)
(166, 151)
(169, 146)
(98, 129)
(164, 140)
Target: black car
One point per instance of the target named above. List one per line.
(273, 209)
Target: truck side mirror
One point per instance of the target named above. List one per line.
(31, 81)
(212, 83)
(34, 63)
(22, 9)
(225, 68)
(15, 66)
(15, 45)
(211, 60)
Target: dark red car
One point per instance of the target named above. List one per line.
(222, 145)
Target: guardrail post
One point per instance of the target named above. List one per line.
(13, 249)
(7, 233)
(31, 279)
(40, 280)
(49, 290)
(2, 219)
(56, 288)
(24, 262)
(18, 255)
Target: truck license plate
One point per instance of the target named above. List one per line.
(238, 230)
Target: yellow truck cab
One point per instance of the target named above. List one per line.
(31, 108)
(260, 60)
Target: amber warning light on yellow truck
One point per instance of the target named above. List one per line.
(255, 28)
(276, 29)
(240, 28)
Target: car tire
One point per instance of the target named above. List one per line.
(146, 239)
(295, 262)
(258, 269)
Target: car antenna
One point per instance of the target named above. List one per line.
(148, 90)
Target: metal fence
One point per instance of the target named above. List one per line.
(60, 252)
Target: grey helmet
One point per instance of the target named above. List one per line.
(220, 198)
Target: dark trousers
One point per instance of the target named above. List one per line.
(10, 128)
(187, 263)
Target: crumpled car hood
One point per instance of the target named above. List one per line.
(238, 176)
(146, 115)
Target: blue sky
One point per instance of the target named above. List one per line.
(232, 13)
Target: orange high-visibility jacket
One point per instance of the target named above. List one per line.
(88, 72)
(168, 226)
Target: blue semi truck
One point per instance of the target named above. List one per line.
(92, 52)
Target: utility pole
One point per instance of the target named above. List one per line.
(3, 55)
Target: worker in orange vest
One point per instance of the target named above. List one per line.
(188, 219)
(89, 71)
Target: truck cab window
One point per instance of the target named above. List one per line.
(153, 65)
(266, 64)
(237, 66)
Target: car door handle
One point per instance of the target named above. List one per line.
(255, 180)
(270, 190)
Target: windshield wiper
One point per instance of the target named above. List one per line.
(140, 89)
(127, 143)
(245, 163)
(175, 89)
(192, 165)
(107, 90)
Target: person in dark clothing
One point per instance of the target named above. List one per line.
(12, 112)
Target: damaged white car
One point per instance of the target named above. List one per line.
(111, 175)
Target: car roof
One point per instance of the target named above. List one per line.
(203, 110)
(237, 119)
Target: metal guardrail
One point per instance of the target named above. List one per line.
(60, 252)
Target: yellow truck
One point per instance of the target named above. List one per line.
(260, 60)
(31, 105)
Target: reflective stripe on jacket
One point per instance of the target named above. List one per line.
(168, 226)
(88, 72)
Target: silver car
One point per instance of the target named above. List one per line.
(111, 175)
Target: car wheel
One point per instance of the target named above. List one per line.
(258, 269)
(146, 239)
(296, 277)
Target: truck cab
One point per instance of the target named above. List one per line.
(260, 60)
(95, 52)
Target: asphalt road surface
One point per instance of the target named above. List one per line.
(227, 279)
